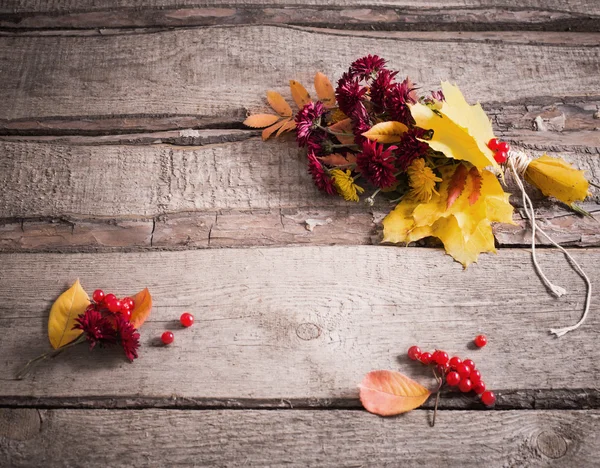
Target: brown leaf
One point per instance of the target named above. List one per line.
(335, 159)
(477, 181)
(279, 104)
(261, 120)
(142, 308)
(388, 393)
(457, 184)
(343, 126)
(267, 132)
(299, 93)
(324, 89)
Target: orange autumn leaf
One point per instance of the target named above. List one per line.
(289, 125)
(267, 132)
(343, 130)
(457, 184)
(279, 104)
(299, 93)
(335, 159)
(477, 182)
(388, 393)
(324, 89)
(261, 120)
(142, 308)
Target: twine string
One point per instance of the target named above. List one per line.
(518, 163)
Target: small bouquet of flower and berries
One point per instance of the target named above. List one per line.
(434, 156)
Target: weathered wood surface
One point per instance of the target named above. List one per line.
(574, 15)
(297, 438)
(300, 324)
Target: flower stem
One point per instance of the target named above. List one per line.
(344, 146)
(50, 354)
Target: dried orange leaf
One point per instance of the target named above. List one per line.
(457, 184)
(335, 159)
(278, 104)
(324, 89)
(388, 393)
(267, 132)
(289, 125)
(299, 93)
(142, 308)
(477, 182)
(343, 130)
(69, 305)
(386, 132)
(261, 120)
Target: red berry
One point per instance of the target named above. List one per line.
(126, 314)
(98, 296)
(167, 337)
(455, 362)
(109, 298)
(493, 144)
(488, 398)
(453, 378)
(441, 357)
(469, 363)
(479, 387)
(480, 341)
(503, 146)
(129, 301)
(426, 358)
(475, 376)
(414, 353)
(125, 306)
(465, 385)
(464, 371)
(114, 306)
(187, 320)
(501, 157)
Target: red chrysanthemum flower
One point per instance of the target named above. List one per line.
(409, 148)
(380, 87)
(129, 338)
(307, 122)
(377, 164)
(349, 94)
(366, 67)
(399, 96)
(97, 328)
(320, 177)
(360, 126)
(438, 95)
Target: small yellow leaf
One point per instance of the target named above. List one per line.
(388, 393)
(63, 313)
(386, 132)
(267, 132)
(343, 131)
(142, 307)
(299, 93)
(557, 178)
(261, 120)
(278, 104)
(324, 89)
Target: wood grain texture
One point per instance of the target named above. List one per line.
(300, 438)
(299, 323)
(194, 73)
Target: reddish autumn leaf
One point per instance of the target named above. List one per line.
(457, 184)
(343, 130)
(142, 308)
(476, 181)
(388, 393)
(335, 159)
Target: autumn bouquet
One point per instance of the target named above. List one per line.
(433, 155)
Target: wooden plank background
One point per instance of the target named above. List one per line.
(123, 162)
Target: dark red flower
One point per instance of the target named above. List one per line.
(377, 164)
(307, 121)
(97, 328)
(129, 338)
(380, 87)
(438, 95)
(349, 93)
(399, 96)
(320, 177)
(360, 126)
(367, 66)
(409, 148)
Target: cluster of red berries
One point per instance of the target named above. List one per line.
(186, 320)
(113, 304)
(456, 372)
(500, 148)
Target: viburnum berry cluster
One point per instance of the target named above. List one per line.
(454, 372)
(500, 149)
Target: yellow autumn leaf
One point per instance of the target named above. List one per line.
(388, 393)
(299, 93)
(557, 178)
(464, 249)
(63, 313)
(386, 132)
(261, 120)
(324, 89)
(279, 104)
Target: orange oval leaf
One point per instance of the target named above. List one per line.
(142, 308)
(278, 104)
(388, 393)
(261, 120)
(299, 93)
(324, 89)
(267, 132)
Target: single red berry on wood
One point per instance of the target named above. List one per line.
(167, 337)
(464, 371)
(453, 378)
(414, 353)
(114, 306)
(465, 385)
(493, 144)
(455, 362)
(475, 376)
(503, 146)
(469, 363)
(479, 387)
(488, 398)
(480, 341)
(442, 358)
(187, 320)
(501, 157)
(426, 358)
(98, 296)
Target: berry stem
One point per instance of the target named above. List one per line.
(50, 354)
(440, 381)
